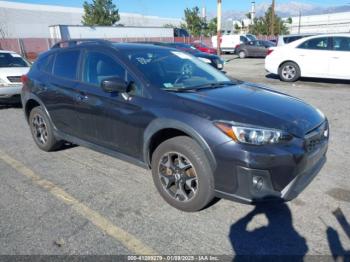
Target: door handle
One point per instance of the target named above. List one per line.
(335, 57)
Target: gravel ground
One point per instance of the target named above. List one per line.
(34, 221)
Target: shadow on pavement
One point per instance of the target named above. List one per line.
(314, 80)
(336, 247)
(278, 237)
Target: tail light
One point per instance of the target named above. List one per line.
(269, 51)
(238, 46)
(24, 79)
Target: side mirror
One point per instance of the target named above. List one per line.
(114, 84)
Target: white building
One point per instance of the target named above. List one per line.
(19, 20)
(326, 23)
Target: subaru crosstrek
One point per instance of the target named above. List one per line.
(202, 134)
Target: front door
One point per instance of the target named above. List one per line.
(111, 120)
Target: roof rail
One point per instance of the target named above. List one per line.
(76, 42)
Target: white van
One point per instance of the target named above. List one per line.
(229, 42)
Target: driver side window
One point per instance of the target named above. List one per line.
(99, 66)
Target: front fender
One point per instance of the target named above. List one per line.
(161, 123)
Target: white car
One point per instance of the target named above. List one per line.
(322, 56)
(229, 42)
(12, 67)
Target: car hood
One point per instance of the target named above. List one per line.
(255, 105)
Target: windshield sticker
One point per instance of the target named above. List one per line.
(15, 55)
(168, 85)
(143, 61)
(181, 55)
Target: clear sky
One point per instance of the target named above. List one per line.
(174, 8)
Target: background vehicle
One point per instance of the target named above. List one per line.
(229, 42)
(323, 56)
(202, 134)
(204, 48)
(12, 67)
(66, 32)
(211, 59)
(286, 39)
(256, 48)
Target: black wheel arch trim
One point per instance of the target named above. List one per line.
(31, 96)
(160, 124)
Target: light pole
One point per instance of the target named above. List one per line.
(272, 30)
(218, 35)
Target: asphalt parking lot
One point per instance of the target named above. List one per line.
(77, 201)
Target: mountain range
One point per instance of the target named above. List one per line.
(286, 10)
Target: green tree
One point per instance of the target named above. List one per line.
(169, 26)
(194, 22)
(262, 25)
(100, 12)
(211, 27)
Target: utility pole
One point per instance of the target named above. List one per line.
(272, 29)
(299, 27)
(218, 35)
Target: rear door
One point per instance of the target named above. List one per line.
(339, 63)
(313, 57)
(60, 99)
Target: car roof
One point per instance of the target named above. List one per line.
(302, 40)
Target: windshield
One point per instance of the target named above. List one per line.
(174, 70)
(12, 60)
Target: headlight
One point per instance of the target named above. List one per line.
(205, 60)
(253, 135)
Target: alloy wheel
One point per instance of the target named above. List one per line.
(178, 176)
(289, 72)
(40, 129)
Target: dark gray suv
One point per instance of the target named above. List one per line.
(202, 134)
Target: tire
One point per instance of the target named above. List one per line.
(242, 54)
(42, 131)
(289, 72)
(169, 161)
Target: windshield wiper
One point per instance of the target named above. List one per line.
(200, 87)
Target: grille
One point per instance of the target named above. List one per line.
(14, 79)
(316, 137)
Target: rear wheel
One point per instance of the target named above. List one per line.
(182, 175)
(289, 72)
(242, 54)
(42, 131)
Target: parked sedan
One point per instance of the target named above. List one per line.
(256, 48)
(323, 56)
(204, 48)
(12, 67)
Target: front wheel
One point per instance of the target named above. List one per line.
(182, 175)
(289, 72)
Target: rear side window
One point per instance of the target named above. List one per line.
(45, 64)
(341, 43)
(99, 66)
(316, 44)
(66, 64)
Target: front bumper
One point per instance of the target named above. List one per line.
(9, 91)
(264, 174)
